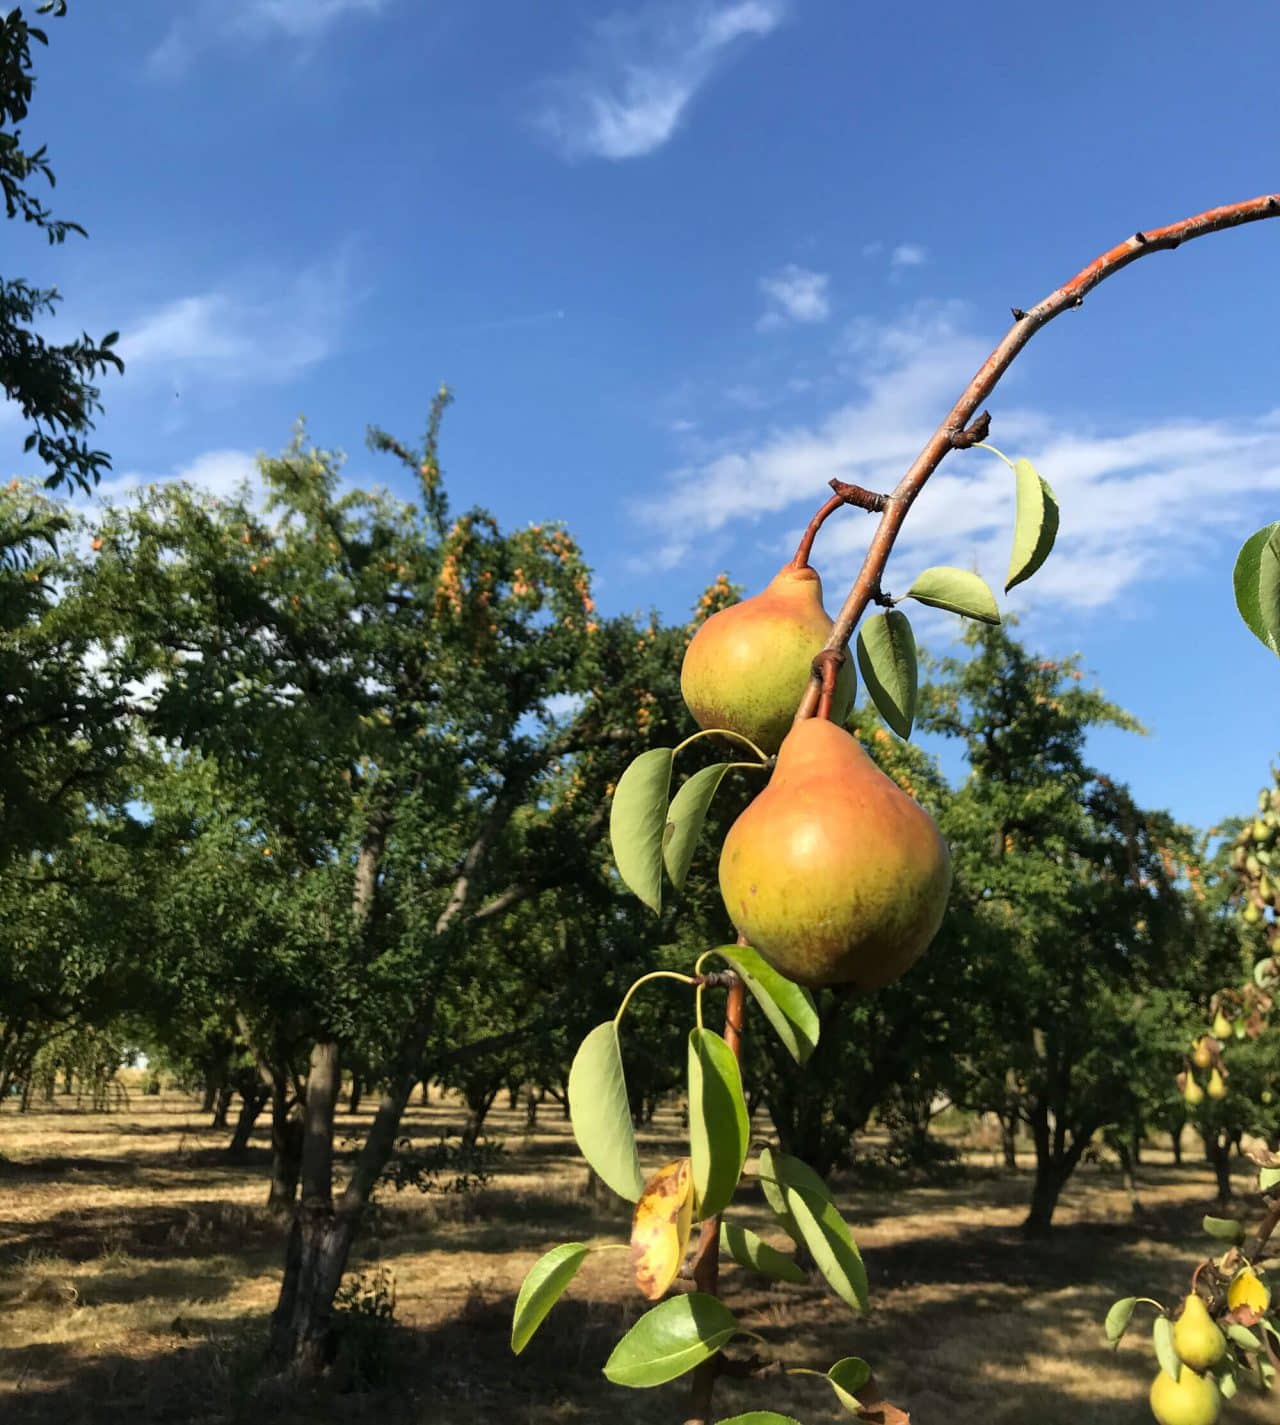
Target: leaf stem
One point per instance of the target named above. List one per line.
(722, 732)
(986, 445)
(644, 980)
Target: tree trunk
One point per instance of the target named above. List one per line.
(251, 1105)
(1008, 1139)
(531, 1110)
(1050, 1180)
(1124, 1151)
(357, 1093)
(1218, 1152)
(222, 1105)
(286, 1144)
(1176, 1138)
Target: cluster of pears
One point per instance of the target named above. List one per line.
(833, 873)
(1206, 1053)
(1255, 856)
(1194, 1398)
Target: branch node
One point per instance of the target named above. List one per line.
(1018, 314)
(865, 499)
(978, 431)
(878, 596)
(1140, 239)
(1078, 301)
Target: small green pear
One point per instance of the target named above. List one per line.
(1201, 1053)
(1192, 1093)
(747, 667)
(1221, 1026)
(1216, 1088)
(1196, 1336)
(1190, 1400)
(1251, 914)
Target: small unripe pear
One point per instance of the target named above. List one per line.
(1190, 1400)
(1267, 1097)
(1196, 1336)
(1252, 866)
(1216, 1087)
(1192, 1093)
(1248, 1289)
(747, 666)
(1251, 914)
(1201, 1054)
(1221, 1026)
(1262, 832)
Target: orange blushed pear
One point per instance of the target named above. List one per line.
(833, 873)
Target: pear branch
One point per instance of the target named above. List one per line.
(955, 431)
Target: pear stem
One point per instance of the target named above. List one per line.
(706, 1259)
(690, 980)
(956, 430)
(844, 495)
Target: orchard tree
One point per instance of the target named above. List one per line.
(833, 876)
(51, 383)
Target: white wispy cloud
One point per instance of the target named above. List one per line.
(794, 294)
(254, 329)
(215, 22)
(219, 472)
(644, 69)
(1133, 501)
(909, 254)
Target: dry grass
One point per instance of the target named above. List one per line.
(137, 1267)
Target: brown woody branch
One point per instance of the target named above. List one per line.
(956, 430)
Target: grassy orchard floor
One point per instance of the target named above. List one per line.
(136, 1270)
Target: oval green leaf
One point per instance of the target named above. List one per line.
(1257, 584)
(1226, 1379)
(1035, 526)
(831, 1245)
(1225, 1229)
(675, 1336)
(601, 1113)
(687, 812)
(775, 1171)
(638, 824)
(847, 1377)
(542, 1288)
(1166, 1354)
(787, 1006)
(1268, 1178)
(887, 661)
(750, 1251)
(956, 590)
(718, 1125)
(759, 1417)
(1242, 1336)
(1118, 1319)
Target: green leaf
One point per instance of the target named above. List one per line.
(1242, 1336)
(542, 1288)
(675, 1336)
(774, 1188)
(887, 661)
(787, 1006)
(1257, 584)
(1227, 1386)
(1268, 1178)
(601, 1113)
(687, 812)
(638, 824)
(1035, 526)
(1118, 1319)
(748, 1250)
(1225, 1229)
(809, 1214)
(956, 590)
(718, 1126)
(1162, 1336)
(759, 1417)
(847, 1378)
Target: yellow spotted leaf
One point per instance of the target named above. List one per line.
(660, 1228)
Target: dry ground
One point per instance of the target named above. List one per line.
(137, 1268)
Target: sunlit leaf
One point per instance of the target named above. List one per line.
(542, 1288)
(1225, 1229)
(660, 1228)
(718, 1125)
(601, 1113)
(675, 1336)
(804, 1205)
(1035, 526)
(787, 1006)
(956, 590)
(1257, 584)
(638, 823)
(847, 1377)
(1166, 1354)
(687, 812)
(1118, 1318)
(887, 661)
(748, 1250)
(1242, 1336)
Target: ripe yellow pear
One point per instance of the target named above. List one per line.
(1248, 1289)
(1192, 1093)
(1221, 1026)
(747, 666)
(1201, 1054)
(1216, 1087)
(1196, 1336)
(833, 873)
(1190, 1400)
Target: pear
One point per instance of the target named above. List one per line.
(1221, 1026)
(1196, 1336)
(1248, 1289)
(1201, 1054)
(1193, 1094)
(833, 873)
(747, 666)
(1216, 1087)
(1190, 1400)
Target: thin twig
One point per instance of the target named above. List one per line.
(955, 429)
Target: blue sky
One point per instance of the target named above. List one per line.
(681, 263)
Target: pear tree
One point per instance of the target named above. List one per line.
(830, 809)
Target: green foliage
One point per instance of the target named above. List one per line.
(718, 1124)
(669, 1340)
(887, 661)
(1257, 585)
(1036, 527)
(958, 591)
(544, 1285)
(601, 1113)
